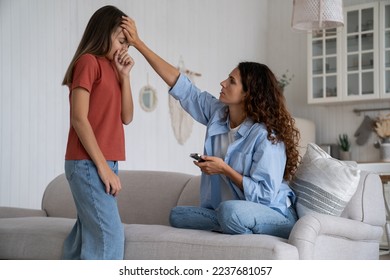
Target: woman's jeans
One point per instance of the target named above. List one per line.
(98, 232)
(235, 217)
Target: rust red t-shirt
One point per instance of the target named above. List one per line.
(98, 77)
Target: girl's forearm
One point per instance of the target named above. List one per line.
(88, 140)
(80, 123)
(127, 110)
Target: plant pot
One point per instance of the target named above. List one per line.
(384, 152)
(345, 155)
(386, 140)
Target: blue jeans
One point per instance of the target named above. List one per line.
(235, 217)
(98, 232)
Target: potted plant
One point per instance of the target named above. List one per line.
(345, 146)
(285, 80)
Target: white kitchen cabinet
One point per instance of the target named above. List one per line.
(351, 63)
(360, 52)
(384, 49)
(324, 66)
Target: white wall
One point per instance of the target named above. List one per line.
(38, 39)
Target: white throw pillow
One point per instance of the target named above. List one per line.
(323, 184)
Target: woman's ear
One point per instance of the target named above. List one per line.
(244, 94)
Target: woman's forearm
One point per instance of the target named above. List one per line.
(166, 71)
(234, 176)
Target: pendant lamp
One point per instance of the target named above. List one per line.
(312, 15)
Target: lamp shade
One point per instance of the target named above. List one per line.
(317, 14)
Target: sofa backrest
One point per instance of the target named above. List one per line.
(57, 199)
(147, 197)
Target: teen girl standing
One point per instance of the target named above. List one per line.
(100, 103)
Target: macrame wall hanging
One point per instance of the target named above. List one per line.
(181, 121)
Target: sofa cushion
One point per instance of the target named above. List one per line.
(42, 238)
(323, 184)
(159, 242)
(33, 238)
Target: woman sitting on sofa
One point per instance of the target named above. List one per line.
(250, 149)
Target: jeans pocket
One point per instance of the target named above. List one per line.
(70, 169)
(114, 166)
(73, 167)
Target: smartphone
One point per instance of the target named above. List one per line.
(197, 157)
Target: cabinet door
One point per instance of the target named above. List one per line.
(384, 49)
(361, 52)
(324, 66)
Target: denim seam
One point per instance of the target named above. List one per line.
(92, 191)
(213, 218)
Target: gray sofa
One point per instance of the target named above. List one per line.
(146, 200)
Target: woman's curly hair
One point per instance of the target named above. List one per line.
(265, 103)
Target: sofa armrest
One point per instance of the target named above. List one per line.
(312, 229)
(15, 212)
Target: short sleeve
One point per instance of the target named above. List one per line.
(85, 72)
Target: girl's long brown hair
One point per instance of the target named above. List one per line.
(96, 39)
(265, 103)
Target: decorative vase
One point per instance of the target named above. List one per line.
(345, 155)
